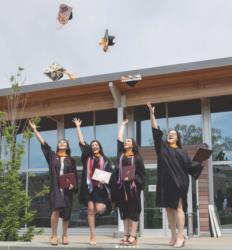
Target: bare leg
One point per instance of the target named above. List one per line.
(126, 232)
(100, 207)
(133, 225)
(126, 227)
(54, 224)
(65, 232)
(91, 222)
(180, 219)
(172, 224)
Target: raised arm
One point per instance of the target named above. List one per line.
(36, 132)
(121, 130)
(78, 123)
(152, 115)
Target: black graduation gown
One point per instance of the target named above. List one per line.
(129, 208)
(100, 194)
(57, 199)
(174, 166)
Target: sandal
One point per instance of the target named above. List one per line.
(124, 240)
(65, 240)
(92, 241)
(54, 241)
(133, 242)
(179, 243)
(172, 242)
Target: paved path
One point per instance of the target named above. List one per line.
(104, 242)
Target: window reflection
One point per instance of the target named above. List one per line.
(37, 159)
(146, 131)
(223, 193)
(221, 117)
(189, 127)
(107, 135)
(40, 205)
(71, 136)
(222, 136)
(24, 160)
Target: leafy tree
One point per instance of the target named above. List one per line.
(15, 211)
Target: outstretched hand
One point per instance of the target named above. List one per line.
(125, 121)
(151, 108)
(32, 125)
(77, 121)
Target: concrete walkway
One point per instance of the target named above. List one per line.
(104, 242)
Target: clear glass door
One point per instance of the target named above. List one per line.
(152, 216)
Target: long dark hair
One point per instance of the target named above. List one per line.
(100, 146)
(178, 142)
(135, 149)
(68, 150)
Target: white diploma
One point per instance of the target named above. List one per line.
(101, 176)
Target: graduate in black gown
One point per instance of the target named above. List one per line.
(59, 162)
(127, 193)
(93, 194)
(174, 167)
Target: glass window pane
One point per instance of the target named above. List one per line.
(223, 194)
(221, 117)
(142, 118)
(185, 117)
(37, 159)
(146, 131)
(152, 214)
(107, 135)
(40, 205)
(71, 136)
(24, 161)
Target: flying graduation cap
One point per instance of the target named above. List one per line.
(131, 80)
(64, 14)
(106, 41)
(55, 72)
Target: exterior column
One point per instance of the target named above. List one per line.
(60, 127)
(190, 208)
(205, 181)
(120, 222)
(130, 127)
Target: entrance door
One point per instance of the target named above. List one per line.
(153, 220)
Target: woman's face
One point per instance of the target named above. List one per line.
(128, 144)
(95, 147)
(62, 145)
(172, 137)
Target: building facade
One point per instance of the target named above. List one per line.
(195, 98)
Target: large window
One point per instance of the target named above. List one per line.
(143, 124)
(221, 117)
(185, 117)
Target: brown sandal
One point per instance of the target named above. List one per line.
(124, 240)
(134, 242)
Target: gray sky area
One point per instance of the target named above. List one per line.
(149, 33)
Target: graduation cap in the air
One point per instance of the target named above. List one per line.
(64, 14)
(131, 80)
(56, 72)
(107, 41)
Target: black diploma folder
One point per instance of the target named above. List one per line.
(202, 154)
